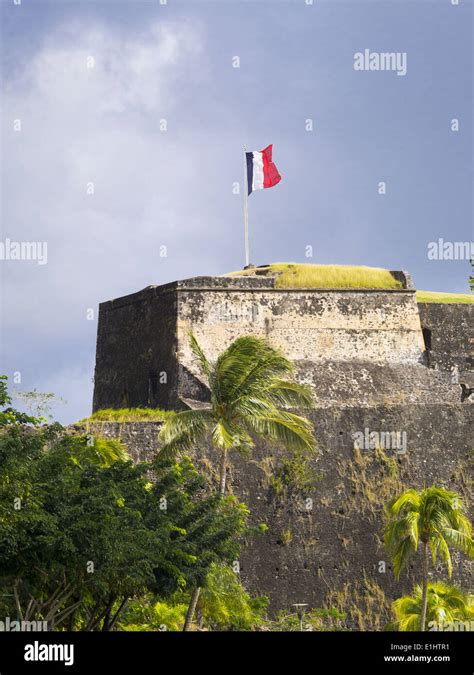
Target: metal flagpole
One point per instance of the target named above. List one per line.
(246, 211)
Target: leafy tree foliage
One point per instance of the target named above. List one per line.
(9, 415)
(251, 392)
(83, 529)
(224, 604)
(315, 619)
(447, 607)
(433, 519)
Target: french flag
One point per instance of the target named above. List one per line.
(261, 171)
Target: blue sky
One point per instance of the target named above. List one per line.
(175, 188)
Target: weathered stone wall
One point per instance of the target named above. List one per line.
(328, 551)
(140, 438)
(332, 554)
(449, 336)
(136, 346)
(363, 353)
(143, 352)
(373, 326)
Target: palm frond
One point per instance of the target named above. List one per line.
(200, 356)
(399, 531)
(408, 500)
(293, 431)
(402, 556)
(251, 406)
(183, 430)
(223, 435)
(248, 363)
(407, 611)
(412, 521)
(458, 521)
(434, 515)
(459, 540)
(443, 548)
(290, 394)
(444, 604)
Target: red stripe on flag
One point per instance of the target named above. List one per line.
(270, 173)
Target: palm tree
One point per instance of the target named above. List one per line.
(248, 397)
(251, 390)
(445, 604)
(434, 518)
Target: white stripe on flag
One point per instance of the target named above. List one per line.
(257, 182)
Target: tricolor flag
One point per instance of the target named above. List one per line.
(261, 171)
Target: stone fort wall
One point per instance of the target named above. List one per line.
(331, 553)
(144, 358)
(377, 362)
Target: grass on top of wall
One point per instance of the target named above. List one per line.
(127, 415)
(304, 275)
(434, 296)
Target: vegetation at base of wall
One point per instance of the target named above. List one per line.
(286, 537)
(305, 275)
(319, 619)
(149, 613)
(462, 477)
(127, 415)
(449, 608)
(431, 521)
(434, 296)
(85, 450)
(72, 515)
(363, 602)
(294, 474)
(374, 478)
(96, 530)
(223, 604)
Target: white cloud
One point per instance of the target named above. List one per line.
(97, 125)
(106, 71)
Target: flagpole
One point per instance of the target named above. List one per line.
(246, 211)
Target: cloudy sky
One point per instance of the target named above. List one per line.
(123, 128)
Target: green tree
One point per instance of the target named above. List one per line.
(149, 613)
(445, 604)
(10, 415)
(251, 393)
(248, 397)
(39, 403)
(433, 519)
(208, 528)
(225, 604)
(82, 532)
(314, 619)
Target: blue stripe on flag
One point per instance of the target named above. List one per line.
(249, 171)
